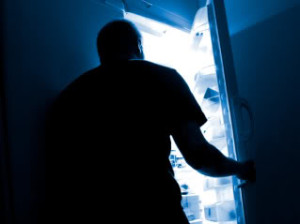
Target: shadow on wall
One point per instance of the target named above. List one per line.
(46, 47)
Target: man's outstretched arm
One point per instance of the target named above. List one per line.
(205, 158)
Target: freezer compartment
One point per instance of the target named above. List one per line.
(191, 206)
(215, 183)
(220, 212)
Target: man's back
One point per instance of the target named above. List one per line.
(109, 135)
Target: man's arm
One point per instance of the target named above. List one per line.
(205, 158)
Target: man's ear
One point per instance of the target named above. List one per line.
(140, 51)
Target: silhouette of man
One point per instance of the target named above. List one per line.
(108, 139)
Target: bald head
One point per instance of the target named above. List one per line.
(119, 40)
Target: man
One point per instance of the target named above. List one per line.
(109, 139)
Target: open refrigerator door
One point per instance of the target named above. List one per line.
(192, 53)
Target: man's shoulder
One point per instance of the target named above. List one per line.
(88, 75)
(79, 85)
(151, 65)
(84, 79)
(154, 71)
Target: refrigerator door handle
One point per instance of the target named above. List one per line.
(247, 131)
(244, 183)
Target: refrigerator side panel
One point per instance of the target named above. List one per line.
(266, 58)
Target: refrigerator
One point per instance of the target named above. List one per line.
(46, 46)
(198, 47)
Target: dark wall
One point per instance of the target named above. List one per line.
(243, 14)
(47, 45)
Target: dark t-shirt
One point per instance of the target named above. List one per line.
(108, 143)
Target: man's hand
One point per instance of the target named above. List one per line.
(247, 171)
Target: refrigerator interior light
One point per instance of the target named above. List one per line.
(176, 48)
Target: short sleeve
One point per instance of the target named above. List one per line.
(183, 104)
